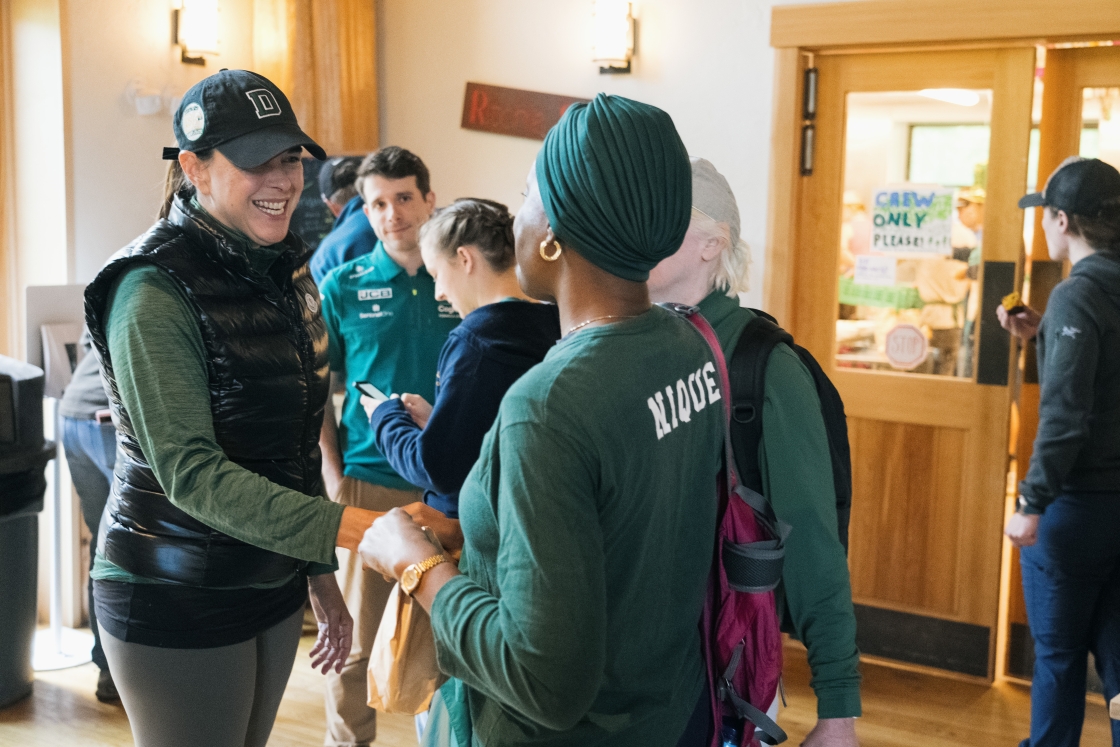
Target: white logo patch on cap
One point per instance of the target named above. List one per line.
(193, 122)
(312, 302)
(264, 102)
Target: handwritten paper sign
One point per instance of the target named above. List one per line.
(906, 346)
(510, 111)
(912, 219)
(872, 269)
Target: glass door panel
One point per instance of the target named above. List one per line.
(915, 180)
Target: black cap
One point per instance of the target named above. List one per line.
(1080, 186)
(338, 173)
(241, 114)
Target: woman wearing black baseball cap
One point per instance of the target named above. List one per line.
(215, 354)
(1069, 502)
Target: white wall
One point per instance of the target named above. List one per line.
(39, 164)
(707, 62)
(117, 174)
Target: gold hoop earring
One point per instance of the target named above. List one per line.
(555, 255)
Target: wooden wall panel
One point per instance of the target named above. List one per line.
(906, 522)
(9, 295)
(323, 54)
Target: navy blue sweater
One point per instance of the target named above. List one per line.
(351, 237)
(480, 361)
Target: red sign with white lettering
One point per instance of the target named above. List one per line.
(510, 111)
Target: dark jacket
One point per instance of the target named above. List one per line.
(351, 237)
(480, 361)
(266, 348)
(1077, 448)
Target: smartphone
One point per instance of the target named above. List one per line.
(371, 391)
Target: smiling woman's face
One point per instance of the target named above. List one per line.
(258, 202)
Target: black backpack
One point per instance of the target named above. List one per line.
(747, 371)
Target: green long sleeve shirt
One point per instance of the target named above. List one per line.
(796, 472)
(159, 360)
(589, 522)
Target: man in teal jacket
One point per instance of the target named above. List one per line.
(384, 326)
(708, 271)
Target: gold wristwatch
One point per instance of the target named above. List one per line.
(413, 574)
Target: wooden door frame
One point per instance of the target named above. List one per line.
(876, 26)
(800, 34)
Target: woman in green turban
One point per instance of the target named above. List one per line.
(589, 519)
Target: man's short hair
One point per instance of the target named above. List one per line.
(394, 162)
(336, 179)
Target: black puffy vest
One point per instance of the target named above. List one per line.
(266, 359)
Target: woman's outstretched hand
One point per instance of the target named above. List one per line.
(336, 627)
(1023, 325)
(449, 531)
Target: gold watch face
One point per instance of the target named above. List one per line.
(410, 579)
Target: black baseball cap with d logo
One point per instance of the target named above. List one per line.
(242, 115)
(1080, 186)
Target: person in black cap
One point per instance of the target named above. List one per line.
(1069, 502)
(215, 357)
(336, 183)
(352, 235)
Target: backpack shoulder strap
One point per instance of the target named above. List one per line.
(747, 372)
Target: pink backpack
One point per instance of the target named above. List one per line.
(739, 626)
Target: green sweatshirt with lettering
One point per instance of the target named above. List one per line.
(797, 479)
(589, 521)
(159, 359)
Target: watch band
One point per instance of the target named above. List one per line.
(417, 570)
(427, 565)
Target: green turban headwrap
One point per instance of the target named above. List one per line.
(616, 184)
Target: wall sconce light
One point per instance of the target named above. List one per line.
(195, 25)
(613, 41)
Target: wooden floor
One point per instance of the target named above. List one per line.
(900, 708)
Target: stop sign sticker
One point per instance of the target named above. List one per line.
(906, 346)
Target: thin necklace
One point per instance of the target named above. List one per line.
(581, 325)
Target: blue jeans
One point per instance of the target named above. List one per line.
(91, 450)
(1071, 582)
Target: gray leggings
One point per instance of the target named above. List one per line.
(218, 697)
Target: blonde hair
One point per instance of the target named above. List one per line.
(731, 275)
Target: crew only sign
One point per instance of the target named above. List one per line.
(912, 219)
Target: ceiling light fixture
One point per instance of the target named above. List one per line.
(613, 36)
(195, 25)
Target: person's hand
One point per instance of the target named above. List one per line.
(449, 531)
(1023, 325)
(369, 404)
(393, 543)
(336, 627)
(1022, 529)
(418, 408)
(833, 732)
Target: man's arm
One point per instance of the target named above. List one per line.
(336, 353)
(328, 441)
(797, 478)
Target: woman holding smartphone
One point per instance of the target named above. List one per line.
(1069, 502)
(211, 341)
(468, 250)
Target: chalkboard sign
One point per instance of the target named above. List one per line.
(312, 219)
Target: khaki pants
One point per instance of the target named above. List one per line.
(350, 722)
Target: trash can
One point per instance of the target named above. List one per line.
(23, 458)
